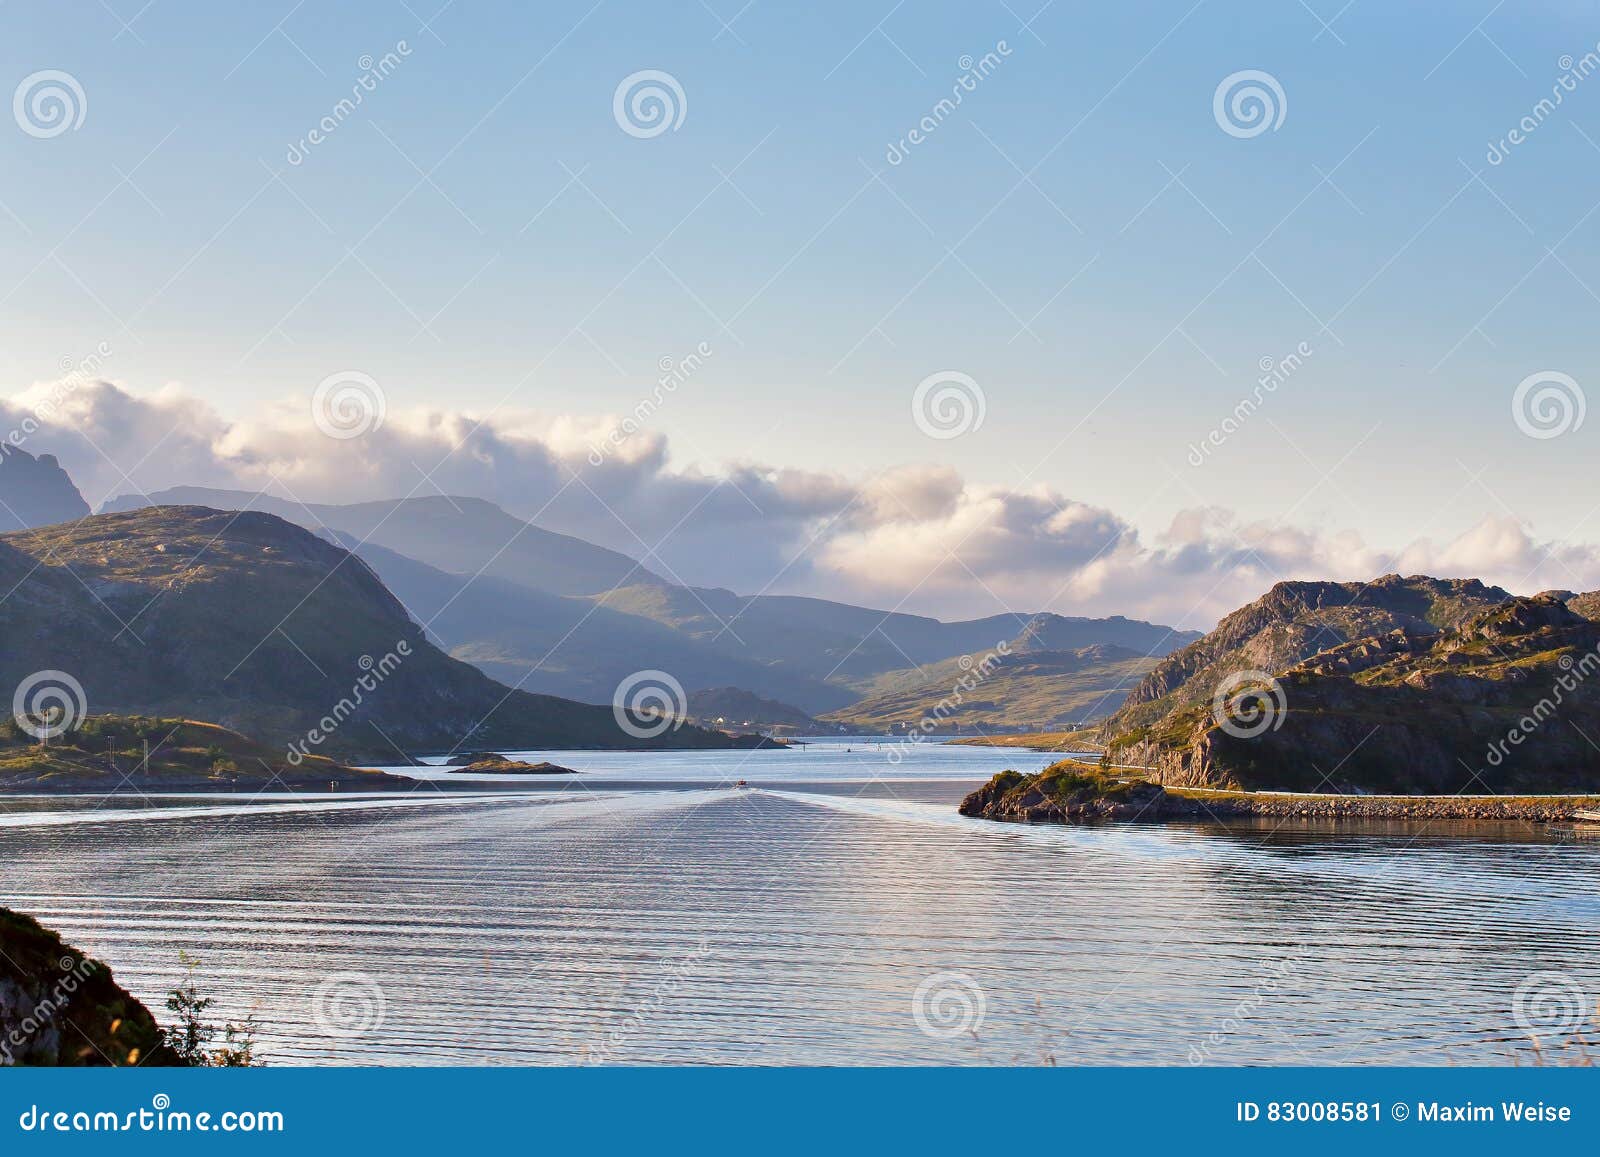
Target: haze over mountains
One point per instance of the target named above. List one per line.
(551, 613)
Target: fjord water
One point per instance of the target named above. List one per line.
(649, 913)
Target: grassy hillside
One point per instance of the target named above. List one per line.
(145, 753)
(1079, 740)
(1033, 690)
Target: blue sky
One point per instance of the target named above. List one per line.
(1080, 237)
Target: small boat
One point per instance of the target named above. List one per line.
(742, 783)
(1586, 817)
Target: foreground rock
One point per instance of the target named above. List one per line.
(1075, 793)
(60, 1007)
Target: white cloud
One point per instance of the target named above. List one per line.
(919, 538)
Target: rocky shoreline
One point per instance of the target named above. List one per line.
(60, 1007)
(1078, 793)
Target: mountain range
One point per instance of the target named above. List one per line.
(251, 622)
(261, 620)
(550, 613)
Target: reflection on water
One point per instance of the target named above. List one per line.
(795, 925)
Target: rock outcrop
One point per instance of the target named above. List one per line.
(1067, 793)
(490, 763)
(1502, 700)
(1293, 622)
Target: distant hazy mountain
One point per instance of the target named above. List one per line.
(35, 491)
(569, 646)
(248, 621)
(854, 646)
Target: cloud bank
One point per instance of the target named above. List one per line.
(916, 538)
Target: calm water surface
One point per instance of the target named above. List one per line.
(646, 912)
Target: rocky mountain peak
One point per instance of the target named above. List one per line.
(35, 491)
